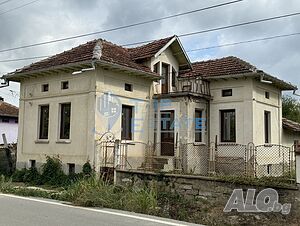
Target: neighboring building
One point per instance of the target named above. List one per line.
(147, 93)
(290, 132)
(8, 122)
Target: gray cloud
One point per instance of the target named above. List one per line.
(47, 20)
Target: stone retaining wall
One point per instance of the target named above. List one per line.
(194, 187)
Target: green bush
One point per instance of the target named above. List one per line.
(18, 175)
(32, 176)
(87, 169)
(52, 172)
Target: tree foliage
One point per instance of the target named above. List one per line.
(291, 108)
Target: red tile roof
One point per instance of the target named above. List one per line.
(110, 53)
(219, 67)
(148, 50)
(290, 125)
(8, 110)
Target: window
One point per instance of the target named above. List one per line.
(44, 122)
(71, 168)
(45, 87)
(65, 119)
(267, 122)
(65, 85)
(269, 168)
(156, 68)
(5, 119)
(226, 92)
(126, 133)
(32, 163)
(128, 87)
(228, 133)
(267, 95)
(198, 125)
(173, 77)
(165, 78)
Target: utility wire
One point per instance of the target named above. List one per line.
(4, 2)
(190, 50)
(120, 27)
(243, 42)
(19, 7)
(22, 59)
(222, 28)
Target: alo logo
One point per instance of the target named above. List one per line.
(266, 201)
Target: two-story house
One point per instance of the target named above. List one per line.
(150, 93)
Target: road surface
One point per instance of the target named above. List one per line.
(16, 211)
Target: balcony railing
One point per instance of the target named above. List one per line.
(196, 86)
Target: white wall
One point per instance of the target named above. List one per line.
(248, 100)
(241, 101)
(80, 147)
(262, 104)
(10, 129)
(139, 99)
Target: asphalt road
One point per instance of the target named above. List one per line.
(16, 211)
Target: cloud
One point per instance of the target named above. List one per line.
(47, 20)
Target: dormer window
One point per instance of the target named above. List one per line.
(165, 78)
(173, 77)
(156, 68)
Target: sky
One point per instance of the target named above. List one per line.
(47, 20)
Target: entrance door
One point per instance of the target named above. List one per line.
(167, 133)
(165, 78)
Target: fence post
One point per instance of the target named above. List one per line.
(297, 154)
(116, 158)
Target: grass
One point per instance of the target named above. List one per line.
(93, 192)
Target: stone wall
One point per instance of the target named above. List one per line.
(195, 187)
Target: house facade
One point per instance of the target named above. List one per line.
(150, 93)
(8, 122)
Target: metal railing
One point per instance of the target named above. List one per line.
(215, 159)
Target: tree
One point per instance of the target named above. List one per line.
(291, 108)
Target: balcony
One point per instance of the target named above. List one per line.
(195, 86)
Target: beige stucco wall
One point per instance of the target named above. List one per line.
(113, 83)
(249, 101)
(273, 105)
(241, 101)
(81, 94)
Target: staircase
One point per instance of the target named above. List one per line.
(156, 163)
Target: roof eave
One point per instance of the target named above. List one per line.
(175, 38)
(17, 76)
(282, 84)
(145, 74)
